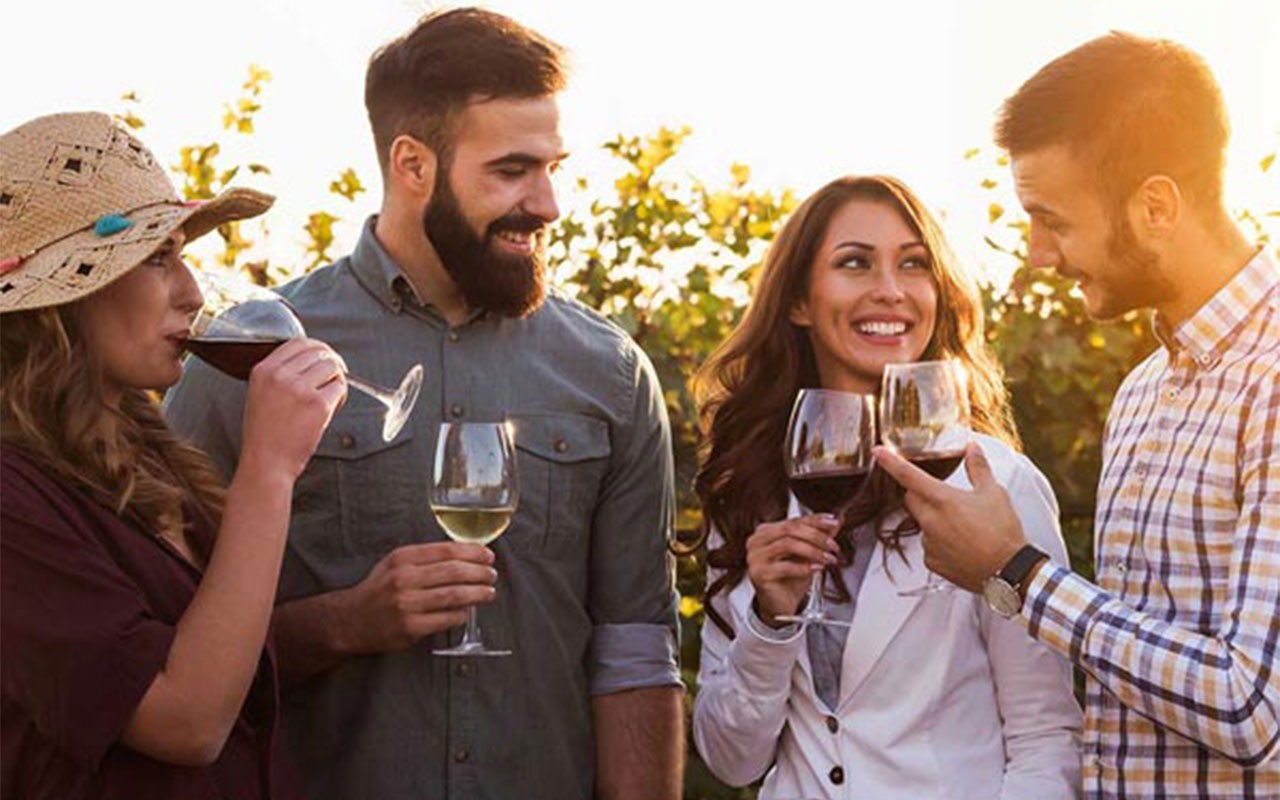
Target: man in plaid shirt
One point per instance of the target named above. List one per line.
(1117, 153)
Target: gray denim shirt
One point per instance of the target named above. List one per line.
(585, 593)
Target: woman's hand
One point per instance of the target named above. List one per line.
(293, 394)
(782, 557)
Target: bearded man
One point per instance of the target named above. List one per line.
(451, 274)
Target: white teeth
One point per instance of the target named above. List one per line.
(883, 328)
(515, 237)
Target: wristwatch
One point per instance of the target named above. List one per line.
(1001, 590)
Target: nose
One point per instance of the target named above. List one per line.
(1042, 247)
(187, 297)
(887, 287)
(541, 201)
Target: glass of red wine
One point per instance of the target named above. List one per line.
(924, 417)
(827, 459)
(242, 323)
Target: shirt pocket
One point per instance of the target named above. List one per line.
(562, 460)
(358, 499)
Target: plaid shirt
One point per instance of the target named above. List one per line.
(1180, 638)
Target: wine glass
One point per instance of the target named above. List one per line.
(924, 417)
(241, 323)
(827, 459)
(474, 492)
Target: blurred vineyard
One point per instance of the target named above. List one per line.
(671, 260)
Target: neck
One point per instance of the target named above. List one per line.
(1200, 265)
(400, 233)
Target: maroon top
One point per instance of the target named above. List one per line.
(90, 603)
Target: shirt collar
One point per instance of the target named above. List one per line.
(1210, 331)
(378, 272)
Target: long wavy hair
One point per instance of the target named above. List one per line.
(52, 409)
(746, 387)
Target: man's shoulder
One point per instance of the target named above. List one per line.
(319, 285)
(583, 327)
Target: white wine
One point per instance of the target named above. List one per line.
(471, 524)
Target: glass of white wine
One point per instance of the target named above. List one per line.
(474, 492)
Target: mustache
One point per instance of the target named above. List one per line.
(517, 223)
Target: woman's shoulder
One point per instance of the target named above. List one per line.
(1008, 464)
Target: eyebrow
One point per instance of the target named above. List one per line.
(1042, 210)
(865, 246)
(524, 160)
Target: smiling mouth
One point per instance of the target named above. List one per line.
(520, 240)
(882, 328)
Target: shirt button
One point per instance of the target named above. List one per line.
(461, 755)
(560, 445)
(1206, 359)
(837, 775)
(346, 441)
(1119, 566)
(453, 336)
(833, 724)
(455, 410)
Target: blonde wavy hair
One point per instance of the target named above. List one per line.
(52, 409)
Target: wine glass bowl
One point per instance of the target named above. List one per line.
(474, 493)
(827, 458)
(241, 323)
(924, 417)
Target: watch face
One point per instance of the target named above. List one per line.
(1002, 598)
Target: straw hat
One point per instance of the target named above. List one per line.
(82, 202)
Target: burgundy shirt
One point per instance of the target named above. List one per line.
(89, 603)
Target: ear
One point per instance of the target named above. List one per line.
(799, 313)
(1156, 207)
(412, 167)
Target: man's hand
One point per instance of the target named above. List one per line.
(418, 590)
(968, 535)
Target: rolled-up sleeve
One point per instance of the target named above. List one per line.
(632, 602)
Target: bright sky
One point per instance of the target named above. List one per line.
(801, 90)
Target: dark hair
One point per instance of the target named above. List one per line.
(746, 387)
(417, 84)
(1129, 107)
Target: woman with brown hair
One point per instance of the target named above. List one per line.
(920, 697)
(136, 591)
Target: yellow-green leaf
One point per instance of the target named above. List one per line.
(690, 606)
(988, 184)
(1267, 162)
(971, 152)
(1097, 340)
(994, 212)
(741, 174)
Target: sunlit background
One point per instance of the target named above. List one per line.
(799, 91)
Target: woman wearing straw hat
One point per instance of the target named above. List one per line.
(136, 591)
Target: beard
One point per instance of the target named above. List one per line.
(504, 283)
(1133, 278)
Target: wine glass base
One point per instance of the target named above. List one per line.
(472, 649)
(814, 619)
(928, 589)
(402, 403)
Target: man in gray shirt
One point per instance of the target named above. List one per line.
(450, 274)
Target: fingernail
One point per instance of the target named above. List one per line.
(831, 559)
(826, 519)
(833, 545)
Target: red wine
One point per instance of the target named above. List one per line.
(827, 492)
(236, 357)
(939, 465)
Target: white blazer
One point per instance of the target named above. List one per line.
(939, 697)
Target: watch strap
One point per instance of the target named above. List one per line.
(1015, 570)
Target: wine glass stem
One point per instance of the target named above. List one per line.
(815, 593)
(383, 396)
(471, 637)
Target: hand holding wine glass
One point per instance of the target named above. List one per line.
(827, 459)
(474, 493)
(924, 410)
(242, 323)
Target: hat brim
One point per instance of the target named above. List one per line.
(85, 262)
